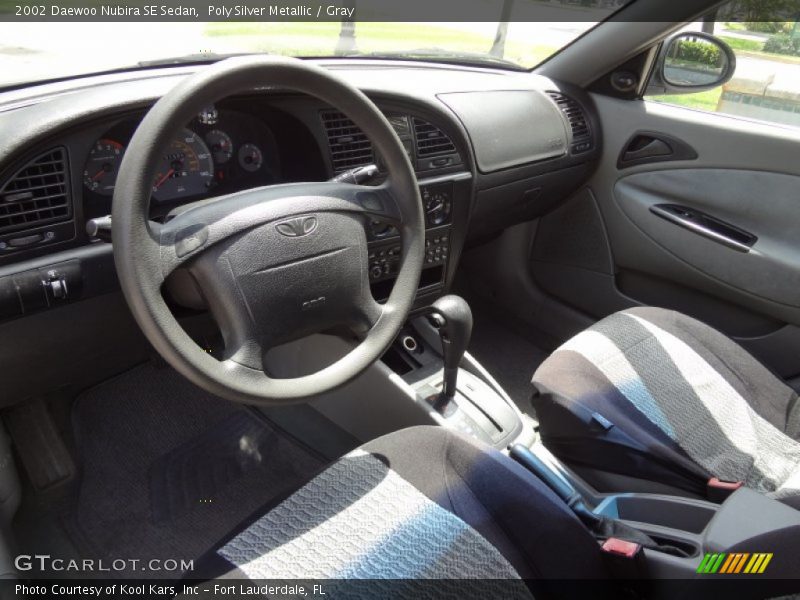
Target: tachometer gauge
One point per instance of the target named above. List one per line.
(250, 157)
(102, 166)
(221, 146)
(186, 168)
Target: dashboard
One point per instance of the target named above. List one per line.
(490, 149)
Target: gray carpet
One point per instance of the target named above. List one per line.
(508, 356)
(167, 469)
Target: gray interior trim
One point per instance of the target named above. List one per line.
(756, 201)
(375, 403)
(722, 143)
(378, 401)
(522, 127)
(500, 277)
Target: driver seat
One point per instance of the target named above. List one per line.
(420, 503)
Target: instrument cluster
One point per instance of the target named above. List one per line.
(219, 152)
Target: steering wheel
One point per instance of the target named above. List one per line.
(273, 263)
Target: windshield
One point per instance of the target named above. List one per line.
(31, 51)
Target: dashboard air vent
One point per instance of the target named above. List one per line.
(37, 194)
(431, 141)
(349, 146)
(579, 124)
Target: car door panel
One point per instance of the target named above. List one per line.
(746, 175)
(752, 201)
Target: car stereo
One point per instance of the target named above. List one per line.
(384, 243)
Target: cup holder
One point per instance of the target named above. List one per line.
(673, 522)
(676, 513)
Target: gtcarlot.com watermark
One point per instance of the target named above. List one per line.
(49, 564)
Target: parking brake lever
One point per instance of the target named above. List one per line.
(562, 488)
(601, 526)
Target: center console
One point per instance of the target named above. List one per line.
(687, 544)
(748, 537)
(663, 545)
(445, 201)
(446, 382)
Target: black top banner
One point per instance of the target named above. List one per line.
(309, 10)
(376, 10)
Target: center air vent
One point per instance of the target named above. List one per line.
(37, 194)
(431, 141)
(349, 146)
(581, 139)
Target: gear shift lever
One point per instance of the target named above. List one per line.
(453, 317)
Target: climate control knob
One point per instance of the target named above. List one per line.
(375, 271)
(437, 208)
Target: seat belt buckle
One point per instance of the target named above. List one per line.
(718, 490)
(626, 560)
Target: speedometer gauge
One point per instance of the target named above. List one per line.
(102, 166)
(186, 168)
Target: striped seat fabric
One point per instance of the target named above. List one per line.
(655, 394)
(420, 513)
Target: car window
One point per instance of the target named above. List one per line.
(31, 51)
(766, 83)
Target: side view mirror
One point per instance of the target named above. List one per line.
(691, 62)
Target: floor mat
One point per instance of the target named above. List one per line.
(510, 358)
(167, 469)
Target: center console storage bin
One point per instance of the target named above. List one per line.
(683, 514)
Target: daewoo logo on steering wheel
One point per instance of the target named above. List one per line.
(297, 227)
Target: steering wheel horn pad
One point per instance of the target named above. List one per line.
(286, 279)
(273, 263)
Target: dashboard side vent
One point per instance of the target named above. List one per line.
(349, 146)
(431, 141)
(37, 194)
(578, 122)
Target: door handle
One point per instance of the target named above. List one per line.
(650, 147)
(703, 224)
(647, 148)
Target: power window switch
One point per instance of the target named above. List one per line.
(61, 282)
(56, 288)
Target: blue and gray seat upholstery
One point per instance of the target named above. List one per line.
(422, 503)
(657, 395)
